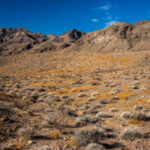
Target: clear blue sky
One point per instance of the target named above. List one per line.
(59, 16)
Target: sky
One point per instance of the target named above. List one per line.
(60, 16)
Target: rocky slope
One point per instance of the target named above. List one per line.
(13, 41)
(58, 43)
(120, 37)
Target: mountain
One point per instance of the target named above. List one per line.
(14, 41)
(59, 42)
(118, 37)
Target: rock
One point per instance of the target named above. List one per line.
(30, 142)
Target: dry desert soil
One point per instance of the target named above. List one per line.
(75, 101)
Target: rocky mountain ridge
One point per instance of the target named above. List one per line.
(14, 41)
(118, 37)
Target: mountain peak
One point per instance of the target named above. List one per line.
(72, 35)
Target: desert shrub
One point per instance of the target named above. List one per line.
(69, 111)
(3, 147)
(45, 147)
(47, 109)
(72, 142)
(113, 109)
(126, 115)
(44, 124)
(51, 117)
(86, 136)
(91, 99)
(54, 134)
(23, 103)
(34, 96)
(140, 116)
(48, 101)
(86, 106)
(95, 94)
(51, 98)
(103, 115)
(83, 120)
(138, 107)
(94, 146)
(81, 95)
(115, 98)
(92, 110)
(104, 101)
(131, 133)
(114, 91)
(27, 132)
(64, 96)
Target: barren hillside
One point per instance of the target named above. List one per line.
(118, 37)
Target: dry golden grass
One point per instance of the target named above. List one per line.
(55, 134)
(72, 142)
(135, 122)
(125, 94)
